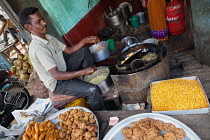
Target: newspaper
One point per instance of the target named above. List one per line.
(37, 112)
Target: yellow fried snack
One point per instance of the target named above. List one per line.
(40, 131)
(177, 94)
(25, 136)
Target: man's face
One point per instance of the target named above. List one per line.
(38, 26)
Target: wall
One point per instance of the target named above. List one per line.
(91, 23)
(201, 22)
(67, 13)
(67, 18)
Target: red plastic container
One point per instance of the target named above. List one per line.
(175, 17)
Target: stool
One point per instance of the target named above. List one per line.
(60, 101)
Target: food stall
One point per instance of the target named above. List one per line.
(131, 79)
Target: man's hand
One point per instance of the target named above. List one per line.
(89, 70)
(91, 39)
(65, 75)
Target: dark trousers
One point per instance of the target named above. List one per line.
(76, 87)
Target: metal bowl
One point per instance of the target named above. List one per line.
(104, 84)
(99, 55)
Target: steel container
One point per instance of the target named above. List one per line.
(135, 86)
(106, 84)
(102, 54)
(114, 18)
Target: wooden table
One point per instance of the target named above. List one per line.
(199, 123)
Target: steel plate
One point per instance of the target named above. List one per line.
(53, 118)
(115, 132)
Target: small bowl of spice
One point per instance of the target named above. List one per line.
(100, 51)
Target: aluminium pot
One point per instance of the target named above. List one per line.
(99, 55)
(114, 18)
(106, 84)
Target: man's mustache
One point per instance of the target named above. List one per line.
(44, 27)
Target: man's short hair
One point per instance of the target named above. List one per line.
(24, 17)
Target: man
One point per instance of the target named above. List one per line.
(46, 56)
(8, 25)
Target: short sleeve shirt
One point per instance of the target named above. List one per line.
(46, 54)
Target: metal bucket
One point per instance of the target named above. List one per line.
(114, 18)
(102, 54)
(106, 84)
(135, 86)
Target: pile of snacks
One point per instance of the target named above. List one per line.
(41, 131)
(149, 128)
(177, 94)
(77, 124)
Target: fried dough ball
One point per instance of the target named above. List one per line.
(127, 131)
(88, 135)
(92, 120)
(62, 134)
(149, 129)
(133, 124)
(93, 138)
(169, 127)
(78, 124)
(169, 136)
(138, 132)
(180, 134)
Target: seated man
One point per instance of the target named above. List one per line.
(46, 54)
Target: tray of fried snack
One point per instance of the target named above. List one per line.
(151, 126)
(179, 96)
(41, 131)
(76, 123)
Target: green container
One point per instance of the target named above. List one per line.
(134, 20)
(111, 44)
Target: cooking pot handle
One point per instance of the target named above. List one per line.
(134, 39)
(130, 45)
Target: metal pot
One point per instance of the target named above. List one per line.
(127, 41)
(125, 11)
(106, 84)
(99, 55)
(114, 18)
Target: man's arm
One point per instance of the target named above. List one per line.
(65, 75)
(75, 48)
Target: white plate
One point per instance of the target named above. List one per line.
(115, 132)
(53, 118)
(124, 3)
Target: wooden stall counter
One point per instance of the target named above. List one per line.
(199, 123)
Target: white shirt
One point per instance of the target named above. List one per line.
(45, 55)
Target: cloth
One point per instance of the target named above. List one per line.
(76, 87)
(45, 55)
(157, 19)
(21, 36)
(7, 24)
(12, 31)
